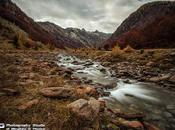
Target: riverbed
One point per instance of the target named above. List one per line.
(125, 94)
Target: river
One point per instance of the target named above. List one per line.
(127, 95)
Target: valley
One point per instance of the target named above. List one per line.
(70, 78)
(26, 73)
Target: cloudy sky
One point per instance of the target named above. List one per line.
(102, 15)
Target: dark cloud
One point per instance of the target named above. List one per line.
(102, 15)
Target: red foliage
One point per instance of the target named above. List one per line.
(153, 27)
(158, 34)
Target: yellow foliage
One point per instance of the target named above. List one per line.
(21, 39)
(116, 51)
(50, 46)
(6, 46)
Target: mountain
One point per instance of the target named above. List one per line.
(47, 32)
(12, 13)
(58, 34)
(86, 38)
(90, 39)
(151, 26)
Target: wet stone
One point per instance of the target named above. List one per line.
(88, 64)
(155, 118)
(168, 115)
(103, 70)
(172, 111)
(170, 107)
(172, 79)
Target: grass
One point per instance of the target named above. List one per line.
(5, 45)
(51, 112)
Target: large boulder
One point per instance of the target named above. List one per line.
(84, 109)
(58, 92)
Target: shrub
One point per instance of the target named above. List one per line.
(141, 51)
(116, 51)
(50, 46)
(29, 43)
(20, 40)
(128, 49)
(39, 45)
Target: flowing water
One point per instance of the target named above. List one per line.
(133, 96)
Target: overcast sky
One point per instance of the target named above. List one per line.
(102, 15)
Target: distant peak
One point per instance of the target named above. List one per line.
(83, 29)
(96, 31)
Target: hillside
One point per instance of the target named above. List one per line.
(151, 26)
(12, 13)
(49, 33)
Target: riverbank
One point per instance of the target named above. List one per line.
(26, 74)
(149, 65)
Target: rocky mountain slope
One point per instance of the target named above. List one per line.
(48, 32)
(86, 38)
(91, 39)
(151, 26)
(12, 13)
(59, 35)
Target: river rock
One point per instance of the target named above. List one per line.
(28, 104)
(10, 92)
(105, 63)
(167, 114)
(172, 54)
(103, 70)
(85, 110)
(172, 79)
(170, 107)
(68, 71)
(109, 86)
(89, 64)
(150, 127)
(159, 78)
(127, 81)
(86, 90)
(150, 63)
(134, 125)
(102, 105)
(57, 92)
